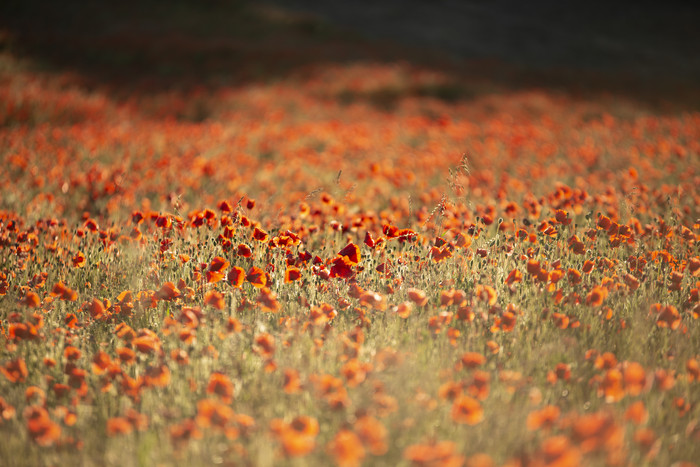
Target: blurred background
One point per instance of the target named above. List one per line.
(649, 49)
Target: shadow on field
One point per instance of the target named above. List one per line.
(135, 47)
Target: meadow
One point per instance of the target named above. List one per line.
(278, 245)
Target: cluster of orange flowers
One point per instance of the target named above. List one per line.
(339, 281)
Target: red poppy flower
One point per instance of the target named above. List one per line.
(168, 291)
(256, 277)
(15, 370)
(244, 251)
(236, 276)
(352, 253)
(417, 296)
(466, 409)
(346, 448)
(64, 293)
(220, 385)
(215, 271)
(214, 299)
(260, 235)
(341, 267)
(292, 274)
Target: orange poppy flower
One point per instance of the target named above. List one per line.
(596, 431)
(34, 394)
(305, 425)
(373, 300)
(292, 274)
(668, 317)
(214, 414)
(91, 225)
(533, 267)
(631, 281)
(440, 254)
(214, 299)
(664, 379)
(369, 240)
(544, 418)
(563, 371)
(31, 300)
(43, 430)
(15, 370)
(265, 344)
(435, 454)
(126, 355)
(79, 260)
(637, 413)
(417, 296)
(486, 294)
(450, 390)
(466, 409)
(463, 241)
(596, 296)
(493, 347)
(220, 385)
(354, 372)
(64, 293)
(157, 376)
(693, 368)
(267, 300)
(574, 276)
(20, 331)
(168, 291)
(604, 222)
(71, 353)
(296, 445)
(373, 434)
(292, 382)
(341, 267)
(507, 321)
(472, 360)
(562, 217)
(352, 253)
(298, 437)
(634, 378)
(147, 342)
(182, 432)
(346, 448)
(513, 277)
(7, 411)
(244, 251)
(138, 421)
(605, 361)
(256, 277)
(61, 390)
(236, 276)
(118, 426)
(558, 451)
(260, 235)
(215, 271)
(100, 362)
(404, 309)
(479, 386)
(96, 308)
(180, 356)
(233, 325)
(225, 206)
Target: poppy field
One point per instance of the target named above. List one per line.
(317, 250)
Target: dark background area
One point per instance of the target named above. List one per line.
(645, 50)
(642, 37)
